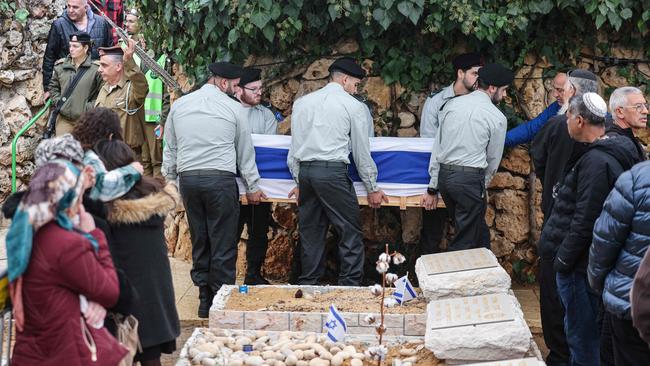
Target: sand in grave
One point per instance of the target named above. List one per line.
(352, 300)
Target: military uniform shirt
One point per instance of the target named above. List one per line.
(207, 129)
(262, 121)
(323, 124)
(429, 119)
(471, 134)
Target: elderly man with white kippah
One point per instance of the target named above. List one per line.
(578, 202)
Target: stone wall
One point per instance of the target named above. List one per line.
(21, 94)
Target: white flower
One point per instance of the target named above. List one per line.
(383, 257)
(382, 267)
(376, 290)
(389, 302)
(369, 319)
(378, 352)
(391, 278)
(398, 258)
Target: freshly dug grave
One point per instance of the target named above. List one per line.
(217, 347)
(345, 300)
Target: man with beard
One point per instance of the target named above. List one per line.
(261, 120)
(208, 141)
(466, 154)
(466, 67)
(553, 152)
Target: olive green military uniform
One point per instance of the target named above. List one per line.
(83, 96)
(126, 98)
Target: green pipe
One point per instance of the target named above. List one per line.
(15, 140)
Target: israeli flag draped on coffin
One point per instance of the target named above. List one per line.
(402, 163)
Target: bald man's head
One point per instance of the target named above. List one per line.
(76, 9)
(558, 87)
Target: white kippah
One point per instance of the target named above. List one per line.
(595, 104)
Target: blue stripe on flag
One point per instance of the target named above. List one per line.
(393, 166)
(410, 289)
(338, 318)
(330, 336)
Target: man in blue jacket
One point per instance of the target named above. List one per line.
(621, 235)
(525, 132)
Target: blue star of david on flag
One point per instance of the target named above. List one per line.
(404, 290)
(335, 325)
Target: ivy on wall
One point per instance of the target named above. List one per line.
(411, 41)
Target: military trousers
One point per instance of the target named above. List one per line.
(151, 150)
(463, 190)
(327, 197)
(211, 200)
(256, 218)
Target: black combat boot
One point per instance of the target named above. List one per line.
(205, 301)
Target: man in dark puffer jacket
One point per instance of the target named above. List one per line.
(622, 235)
(578, 202)
(76, 17)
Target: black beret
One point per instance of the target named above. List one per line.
(114, 50)
(582, 74)
(467, 61)
(495, 74)
(81, 37)
(226, 70)
(250, 75)
(348, 66)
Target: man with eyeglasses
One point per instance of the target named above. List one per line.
(208, 141)
(261, 120)
(554, 153)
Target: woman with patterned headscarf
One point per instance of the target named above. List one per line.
(55, 254)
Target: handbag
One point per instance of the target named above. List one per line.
(126, 329)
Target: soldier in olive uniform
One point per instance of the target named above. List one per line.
(86, 89)
(124, 91)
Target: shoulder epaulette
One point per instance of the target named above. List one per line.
(95, 62)
(433, 93)
(59, 61)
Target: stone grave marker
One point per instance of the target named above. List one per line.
(461, 273)
(477, 328)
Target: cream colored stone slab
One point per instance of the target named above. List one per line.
(459, 261)
(258, 320)
(415, 324)
(390, 320)
(458, 312)
(516, 362)
(371, 331)
(305, 322)
(460, 274)
(226, 319)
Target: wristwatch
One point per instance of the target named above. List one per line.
(432, 191)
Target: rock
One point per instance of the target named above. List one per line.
(489, 215)
(7, 77)
(356, 362)
(407, 352)
(468, 282)
(345, 46)
(517, 161)
(515, 202)
(284, 127)
(14, 38)
(318, 362)
(171, 233)
(407, 119)
(411, 219)
(282, 95)
(291, 360)
(500, 246)
(21, 75)
(515, 228)
(318, 69)
(485, 342)
(279, 256)
(378, 92)
(503, 180)
(38, 11)
(407, 132)
(184, 244)
(611, 78)
(285, 215)
(309, 86)
(253, 361)
(16, 114)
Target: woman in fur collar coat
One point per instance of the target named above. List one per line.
(138, 248)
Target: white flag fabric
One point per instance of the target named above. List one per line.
(404, 290)
(402, 164)
(335, 325)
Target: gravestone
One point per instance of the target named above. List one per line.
(481, 328)
(461, 273)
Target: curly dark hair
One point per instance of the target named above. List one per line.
(97, 124)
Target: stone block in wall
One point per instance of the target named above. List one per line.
(515, 228)
(318, 69)
(183, 248)
(16, 113)
(411, 219)
(345, 46)
(500, 246)
(517, 161)
(309, 86)
(282, 95)
(407, 119)
(378, 92)
(407, 132)
(610, 77)
(503, 180)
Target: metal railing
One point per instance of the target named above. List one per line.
(15, 141)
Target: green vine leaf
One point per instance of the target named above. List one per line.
(260, 19)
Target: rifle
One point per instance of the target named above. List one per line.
(146, 59)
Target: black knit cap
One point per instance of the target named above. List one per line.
(582, 74)
(467, 61)
(81, 37)
(348, 66)
(226, 70)
(250, 75)
(114, 50)
(495, 74)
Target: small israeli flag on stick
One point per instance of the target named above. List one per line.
(404, 290)
(335, 325)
